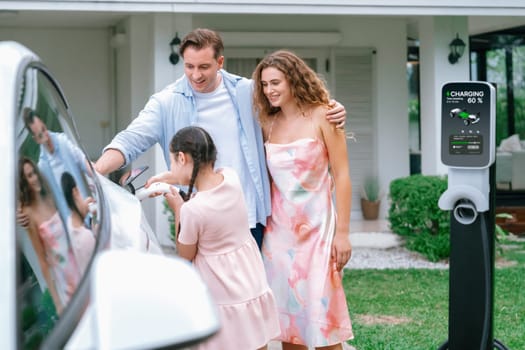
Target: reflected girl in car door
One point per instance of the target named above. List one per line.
(82, 238)
(47, 234)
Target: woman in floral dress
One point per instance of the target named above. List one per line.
(47, 234)
(306, 242)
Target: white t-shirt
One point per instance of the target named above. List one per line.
(216, 114)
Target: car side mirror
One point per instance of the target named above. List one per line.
(149, 301)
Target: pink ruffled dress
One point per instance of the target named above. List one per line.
(230, 263)
(83, 244)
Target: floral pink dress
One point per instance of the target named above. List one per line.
(297, 244)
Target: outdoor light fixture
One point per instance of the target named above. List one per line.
(174, 56)
(457, 47)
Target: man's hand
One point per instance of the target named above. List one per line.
(22, 218)
(336, 114)
(109, 161)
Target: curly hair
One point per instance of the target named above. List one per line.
(26, 196)
(306, 86)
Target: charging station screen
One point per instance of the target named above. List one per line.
(467, 124)
(465, 144)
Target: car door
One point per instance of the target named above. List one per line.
(57, 209)
(73, 243)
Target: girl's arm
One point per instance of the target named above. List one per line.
(335, 141)
(186, 251)
(165, 176)
(175, 201)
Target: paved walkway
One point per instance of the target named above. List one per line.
(385, 250)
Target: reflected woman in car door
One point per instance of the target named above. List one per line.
(47, 234)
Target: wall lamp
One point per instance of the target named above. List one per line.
(457, 47)
(174, 56)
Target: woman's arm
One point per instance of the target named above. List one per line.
(335, 141)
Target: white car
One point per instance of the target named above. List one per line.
(79, 264)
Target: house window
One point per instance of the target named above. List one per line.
(413, 106)
(245, 66)
(499, 58)
(242, 61)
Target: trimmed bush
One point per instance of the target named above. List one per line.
(414, 214)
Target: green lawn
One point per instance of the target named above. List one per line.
(408, 309)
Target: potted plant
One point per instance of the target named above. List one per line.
(370, 198)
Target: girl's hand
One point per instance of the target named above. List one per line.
(174, 200)
(165, 176)
(341, 250)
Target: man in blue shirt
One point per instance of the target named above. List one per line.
(216, 100)
(57, 155)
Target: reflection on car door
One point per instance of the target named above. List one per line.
(57, 207)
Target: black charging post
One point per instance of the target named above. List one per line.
(468, 149)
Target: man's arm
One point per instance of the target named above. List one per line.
(143, 132)
(109, 161)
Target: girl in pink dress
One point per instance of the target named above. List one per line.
(82, 239)
(214, 234)
(306, 243)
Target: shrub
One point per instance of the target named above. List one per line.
(414, 214)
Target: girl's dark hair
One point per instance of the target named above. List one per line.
(201, 38)
(68, 183)
(26, 194)
(196, 142)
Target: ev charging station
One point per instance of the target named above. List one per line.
(468, 123)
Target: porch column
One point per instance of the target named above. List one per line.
(146, 69)
(435, 35)
(165, 26)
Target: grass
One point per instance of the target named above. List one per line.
(407, 309)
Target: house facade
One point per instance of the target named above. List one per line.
(111, 55)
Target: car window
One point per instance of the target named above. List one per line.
(57, 207)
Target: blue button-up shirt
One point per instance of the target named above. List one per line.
(174, 108)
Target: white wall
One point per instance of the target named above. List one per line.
(80, 60)
(388, 37)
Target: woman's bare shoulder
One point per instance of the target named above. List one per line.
(319, 116)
